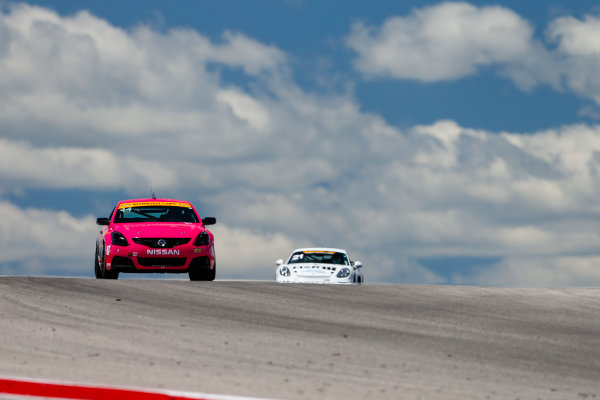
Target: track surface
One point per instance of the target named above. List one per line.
(269, 340)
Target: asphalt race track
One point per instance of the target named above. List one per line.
(269, 340)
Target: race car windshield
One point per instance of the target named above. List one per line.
(155, 214)
(319, 257)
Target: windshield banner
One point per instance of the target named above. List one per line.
(155, 203)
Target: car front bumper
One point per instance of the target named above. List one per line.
(139, 258)
(322, 279)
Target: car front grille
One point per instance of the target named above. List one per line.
(122, 261)
(153, 242)
(161, 261)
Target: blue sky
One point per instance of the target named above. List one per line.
(312, 33)
(438, 142)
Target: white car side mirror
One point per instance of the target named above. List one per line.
(279, 262)
(356, 264)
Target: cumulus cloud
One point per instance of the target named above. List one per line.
(453, 40)
(442, 42)
(77, 88)
(44, 240)
(82, 74)
(246, 109)
(59, 167)
(560, 271)
(579, 53)
(250, 254)
(92, 107)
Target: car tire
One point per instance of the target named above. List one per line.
(212, 273)
(203, 274)
(97, 270)
(106, 274)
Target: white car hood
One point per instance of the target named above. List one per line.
(314, 270)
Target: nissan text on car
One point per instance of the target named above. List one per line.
(319, 265)
(155, 235)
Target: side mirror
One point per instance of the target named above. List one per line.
(209, 220)
(279, 262)
(356, 264)
(102, 221)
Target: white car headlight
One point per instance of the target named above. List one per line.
(343, 273)
(284, 271)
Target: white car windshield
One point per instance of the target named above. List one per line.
(319, 257)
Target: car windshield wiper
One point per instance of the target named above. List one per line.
(145, 215)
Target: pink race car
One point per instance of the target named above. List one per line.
(155, 235)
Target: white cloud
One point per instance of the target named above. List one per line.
(80, 73)
(561, 271)
(22, 164)
(442, 42)
(453, 40)
(44, 234)
(252, 56)
(250, 254)
(246, 108)
(579, 53)
(576, 37)
(101, 106)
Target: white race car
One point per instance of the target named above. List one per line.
(319, 265)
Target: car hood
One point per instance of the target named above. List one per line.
(315, 267)
(165, 230)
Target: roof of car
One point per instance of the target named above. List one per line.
(151, 200)
(320, 249)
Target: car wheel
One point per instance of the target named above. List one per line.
(211, 273)
(203, 274)
(106, 274)
(97, 269)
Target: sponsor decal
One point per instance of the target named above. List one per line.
(197, 251)
(155, 203)
(318, 252)
(134, 254)
(163, 252)
(108, 250)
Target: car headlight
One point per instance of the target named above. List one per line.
(343, 273)
(284, 271)
(118, 239)
(203, 239)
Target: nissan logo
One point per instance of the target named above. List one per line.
(161, 242)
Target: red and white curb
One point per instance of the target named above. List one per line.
(24, 388)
